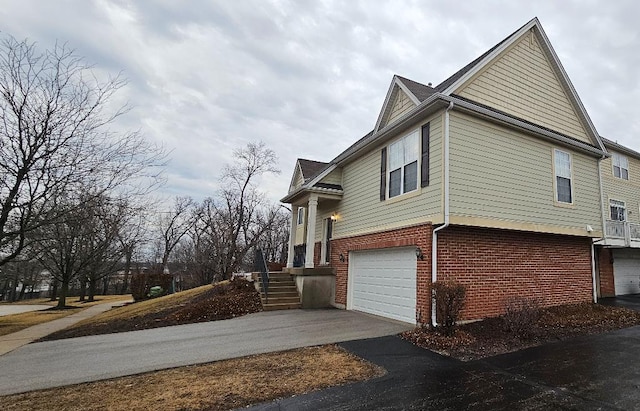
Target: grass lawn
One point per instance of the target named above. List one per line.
(207, 303)
(16, 322)
(221, 385)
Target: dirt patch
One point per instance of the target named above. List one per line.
(217, 386)
(490, 337)
(220, 302)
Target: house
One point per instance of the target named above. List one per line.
(618, 253)
(490, 178)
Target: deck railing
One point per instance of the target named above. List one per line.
(623, 230)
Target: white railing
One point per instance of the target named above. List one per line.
(615, 229)
(622, 229)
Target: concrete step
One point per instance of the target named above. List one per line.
(280, 300)
(283, 306)
(282, 293)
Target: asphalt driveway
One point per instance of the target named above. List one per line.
(75, 360)
(597, 372)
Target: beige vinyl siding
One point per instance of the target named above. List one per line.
(361, 211)
(401, 105)
(522, 82)
(298, 180)
(301, 231)
(325, 210)
(501, 174)
(622, 190)
(334, 177)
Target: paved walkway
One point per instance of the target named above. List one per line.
(10, 342)
(10, 309)
(75, 360)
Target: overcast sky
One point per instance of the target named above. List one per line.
(309, 77)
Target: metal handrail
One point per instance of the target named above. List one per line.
(261, 262)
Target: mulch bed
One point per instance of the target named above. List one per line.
(237, 298)
(491, 336)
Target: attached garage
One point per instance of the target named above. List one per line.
(626, 270)
(383, 282)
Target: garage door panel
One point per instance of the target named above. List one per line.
(383, 282)
(626, 271)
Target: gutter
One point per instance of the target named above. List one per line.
(434, 236)
(430, 104)
(604, 232)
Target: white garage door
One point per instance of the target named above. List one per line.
(383, 282)
(626, 271)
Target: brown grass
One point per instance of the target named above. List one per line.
(217, 386)
(16, 322)
(75, 301)
(144, 308)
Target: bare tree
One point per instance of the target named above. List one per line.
(55, 139)
(173, 226)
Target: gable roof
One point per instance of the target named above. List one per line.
(421, 92)
(310, 168)
(619, 147)
(428, 99)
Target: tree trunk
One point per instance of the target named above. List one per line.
(105, 284)
(83, 288)
(92, 289)
(64, 290)
(22, 289)
(127, 269)
(54, 290)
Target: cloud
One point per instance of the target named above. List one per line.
(309, 77)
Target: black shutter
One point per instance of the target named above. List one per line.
(383, 174)
(424, 169)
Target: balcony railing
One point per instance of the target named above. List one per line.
(623, 230)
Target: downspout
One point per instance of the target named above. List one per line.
(604, 230)
(434, 237)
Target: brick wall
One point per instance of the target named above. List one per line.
(419, 236)
(605, 270)
(498, 264)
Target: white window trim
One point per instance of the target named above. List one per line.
(624, 207)
(300, 219)
(613, 166)
(418, 166)
(555, 179)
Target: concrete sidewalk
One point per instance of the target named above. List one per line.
(10, 342)
(10, 309)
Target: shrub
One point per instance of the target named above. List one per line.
(141, 285)
(449, 298)
(520, 316)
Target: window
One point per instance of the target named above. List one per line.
(300, 215)
(618, 211)
(620, 166)
(562, 169)
(403, 165)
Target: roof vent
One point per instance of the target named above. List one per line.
(430, 84)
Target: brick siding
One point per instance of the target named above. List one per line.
(419, 236)
(496, 265)
(493, 264)
(605, 270)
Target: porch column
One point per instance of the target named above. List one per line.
(292, 235)
(311, 230)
